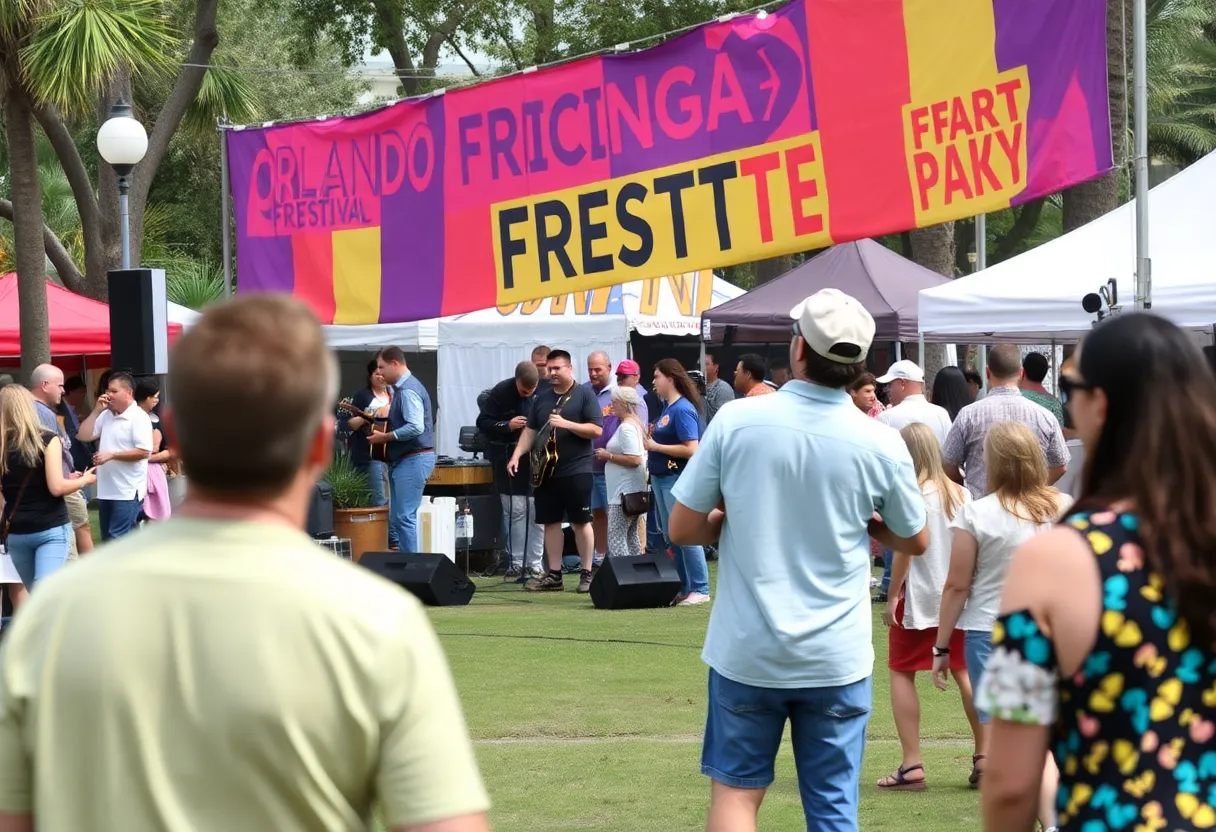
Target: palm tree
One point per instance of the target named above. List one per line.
(60, 55)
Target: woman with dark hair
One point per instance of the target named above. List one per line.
(156, 501)
(951, 391)
(375, 398)
(864, 392)
(672, 443)
(1104, 648)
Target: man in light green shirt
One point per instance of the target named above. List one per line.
(221, 671)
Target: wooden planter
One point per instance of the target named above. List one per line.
(366, 528)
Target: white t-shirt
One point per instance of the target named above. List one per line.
(998, 533)
(131, 429)
(915, 409)
(927, 574)
(621, 479)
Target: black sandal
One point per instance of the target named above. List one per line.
(974, 780)
(898, 780)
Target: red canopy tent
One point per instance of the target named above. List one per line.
(79, 326)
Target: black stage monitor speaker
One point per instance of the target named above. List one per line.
(321, 512)
(139, 321)
(635, 583)
(433, 579)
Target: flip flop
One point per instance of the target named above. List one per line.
(898, 780)
(974, 780)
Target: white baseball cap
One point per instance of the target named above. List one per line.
(906, 370)
(835, 325)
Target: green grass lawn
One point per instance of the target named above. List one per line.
(586, 719)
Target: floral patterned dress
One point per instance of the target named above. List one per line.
(1134, 728)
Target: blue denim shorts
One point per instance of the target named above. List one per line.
(599, 491)
(827, 728)
(977, 647)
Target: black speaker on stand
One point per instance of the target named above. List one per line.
(432, 579)
(139, 321)
(635, 583)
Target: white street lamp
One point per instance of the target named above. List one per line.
(122, 142)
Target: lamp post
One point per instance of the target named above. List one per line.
(122, 142)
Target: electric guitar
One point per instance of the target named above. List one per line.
(543, 455)
(374, 424)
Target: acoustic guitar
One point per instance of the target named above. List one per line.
(543, 455)
(374, 424)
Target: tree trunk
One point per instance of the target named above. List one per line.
(1086, 202)
(772, 268)
(27, 230)
(933, 248)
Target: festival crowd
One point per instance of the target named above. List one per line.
(1054, 557)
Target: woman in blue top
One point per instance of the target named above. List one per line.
(672, 443)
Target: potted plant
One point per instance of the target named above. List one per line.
(364, 525)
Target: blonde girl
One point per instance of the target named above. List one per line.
(1019, 504)
(912, 611)
(34, 523)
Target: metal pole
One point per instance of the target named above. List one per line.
(123, 188)
(224, 217)
(920, 349)
(899, 351)
(981, 242)
(1144, 266)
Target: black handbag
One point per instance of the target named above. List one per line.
(635, 504)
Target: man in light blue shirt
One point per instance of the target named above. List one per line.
(411, 445)
(794, 485)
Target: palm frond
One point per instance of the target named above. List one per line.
(76, 48)
(193, 283)
(224, 93)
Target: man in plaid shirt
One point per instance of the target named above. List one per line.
(964, 448)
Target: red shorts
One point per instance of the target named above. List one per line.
(910, 651)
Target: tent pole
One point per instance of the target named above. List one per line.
(225, 220)
(1055, 387)
(981, 263)
(1144, 266)
(920, 349)
(899, 351)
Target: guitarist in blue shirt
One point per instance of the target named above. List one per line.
(411, 444)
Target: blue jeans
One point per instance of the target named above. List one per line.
(887, 557)
(655, 544)
(827, 729)
(117, 517)
(407, 477)
(690, 560)
(375, 471)
(599, 491)
(37, 555)
(977, 647)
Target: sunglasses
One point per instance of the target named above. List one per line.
(1070, 385)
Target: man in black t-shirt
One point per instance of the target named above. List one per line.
(570, 413)
(503, 413)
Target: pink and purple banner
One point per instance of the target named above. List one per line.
(822, 122)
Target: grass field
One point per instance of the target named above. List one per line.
(586, 719)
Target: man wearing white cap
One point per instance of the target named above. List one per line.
(906, 392)
(794, 484)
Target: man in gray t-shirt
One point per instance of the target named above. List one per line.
(717, 391)
(46, 386)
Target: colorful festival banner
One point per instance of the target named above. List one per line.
(823, 122)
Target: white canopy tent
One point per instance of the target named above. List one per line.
(418, 336)
(479, 349)
(1036, 297)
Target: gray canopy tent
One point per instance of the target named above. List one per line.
(885, 283)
